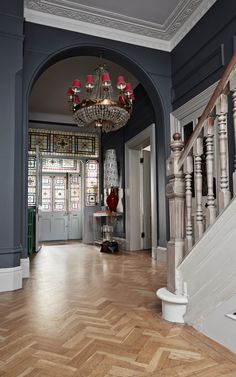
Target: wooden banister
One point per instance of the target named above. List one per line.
(217, 92)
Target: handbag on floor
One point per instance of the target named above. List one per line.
(109, 247)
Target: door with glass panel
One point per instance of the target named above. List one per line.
(60, 215)
(75, 207)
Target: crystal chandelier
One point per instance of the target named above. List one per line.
(99, 109)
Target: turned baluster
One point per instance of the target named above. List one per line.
(198, 188)
(188, 169)
(211, 207)
(233, 89)
(221, 111)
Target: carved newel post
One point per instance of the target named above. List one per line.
(175, 191)
(233, 90)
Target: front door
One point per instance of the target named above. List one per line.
(60, 213)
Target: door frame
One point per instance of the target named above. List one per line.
(132, 189)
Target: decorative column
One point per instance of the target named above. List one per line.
(211, 208)
(188, 169)
(221, 111)
(199, 226)
(175, 191)
(233, 90)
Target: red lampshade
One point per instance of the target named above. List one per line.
(106, 77)
(89, 79)
(70, 92)
(128, 87)
(132, 96)
(120, 83)
(76, 85)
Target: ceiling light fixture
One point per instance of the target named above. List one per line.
(99, 109)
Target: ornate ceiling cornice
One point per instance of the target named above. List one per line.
(69, 15)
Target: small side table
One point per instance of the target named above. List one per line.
(97, 223)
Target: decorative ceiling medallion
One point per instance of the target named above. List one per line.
(176, 26)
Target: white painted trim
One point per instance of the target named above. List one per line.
(232, 316)
(190, 22)
(10, 279)
(89, 20)
(134, 144)
(25, 264)
(95, 30)
(160, 254)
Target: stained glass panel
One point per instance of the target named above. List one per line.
(41, 139)
(60, 164)
(91, 182)
(47, 193)
(31, 181)
(54, 143)
(74, 192)
(59, 197)
(85, 145)
(62, 144)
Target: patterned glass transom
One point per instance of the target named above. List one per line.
(58, 143)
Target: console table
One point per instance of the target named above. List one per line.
(102, 218)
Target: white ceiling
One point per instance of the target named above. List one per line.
(155, 11)
(48, 99)
(158, 24)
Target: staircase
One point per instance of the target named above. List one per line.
(201, 253)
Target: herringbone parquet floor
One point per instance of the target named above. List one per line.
(88, 314)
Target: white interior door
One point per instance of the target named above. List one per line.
(38, 196)
(75, 207)
(145, 199)
(61, 207)
(53, 217)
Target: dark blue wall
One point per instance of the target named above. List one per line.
(11, 63)
(45, 45)
(200, 58)
(142, 116)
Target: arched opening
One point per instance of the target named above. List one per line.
(137, 72)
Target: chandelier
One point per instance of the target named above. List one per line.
(99, 109)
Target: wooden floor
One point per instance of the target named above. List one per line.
(88, 314)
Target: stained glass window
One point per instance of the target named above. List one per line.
(61, 164)
(39, 138)
(91, 182)
(59, 194)
(74, 192)
(60, 143)
(31, 181)
(47, 193)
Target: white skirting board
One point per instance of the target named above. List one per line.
(25, 264)
(10, 278)
(160, 254)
